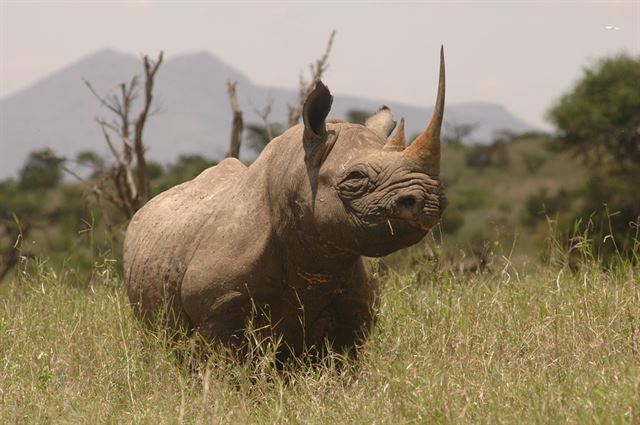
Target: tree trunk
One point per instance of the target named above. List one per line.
(237, 122)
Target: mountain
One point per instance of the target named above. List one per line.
(193, 113)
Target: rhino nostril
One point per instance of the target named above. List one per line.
(407, 202)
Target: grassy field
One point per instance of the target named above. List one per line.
(549, 346)
(487, 322)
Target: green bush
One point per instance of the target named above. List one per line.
(542, 205)
(532, 162)
(470, 198)
(452, 221)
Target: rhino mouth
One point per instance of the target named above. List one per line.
(393, 233)
(398, 222)
(424, 219)
(423, 223)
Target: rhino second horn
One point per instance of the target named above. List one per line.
(381, 122)
(397, 142)
(426, 147)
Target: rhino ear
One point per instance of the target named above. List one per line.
(381, 122)
(316, 108)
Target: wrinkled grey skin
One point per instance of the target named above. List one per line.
(282, 240)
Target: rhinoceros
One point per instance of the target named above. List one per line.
(282, 242)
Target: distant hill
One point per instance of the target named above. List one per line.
(193, 111)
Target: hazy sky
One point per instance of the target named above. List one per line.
(520, 54)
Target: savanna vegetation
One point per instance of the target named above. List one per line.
(523, 306)
(555, 345)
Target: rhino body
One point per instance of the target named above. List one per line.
(221, 247)
(282, 241)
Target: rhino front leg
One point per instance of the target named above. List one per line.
(353, 321)
(353, 314)
(224, 321)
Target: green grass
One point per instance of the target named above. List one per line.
(552, 346)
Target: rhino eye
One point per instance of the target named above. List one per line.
(355, 175)
(354, 184)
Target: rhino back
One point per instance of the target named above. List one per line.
(164, 234)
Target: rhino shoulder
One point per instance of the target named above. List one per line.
(227, 169)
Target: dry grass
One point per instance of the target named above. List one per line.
(553, 346)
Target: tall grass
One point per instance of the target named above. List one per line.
(555, 345)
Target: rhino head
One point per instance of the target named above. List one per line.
(369, 193)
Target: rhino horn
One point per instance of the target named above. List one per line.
(316, 108)
(381, 122)
(397, 142)
(426, 147)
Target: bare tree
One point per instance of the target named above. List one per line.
(125, 184)
(262, 135)
(306, 87)
(259, 135)
(237, 123)
(264, 115)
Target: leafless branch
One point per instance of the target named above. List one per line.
(115, 129)
(96, 188)
(124, 165)
(150, 69)
(237, 122)
(127, 189)
(264, 113)
(75, 175)
(103, 101)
